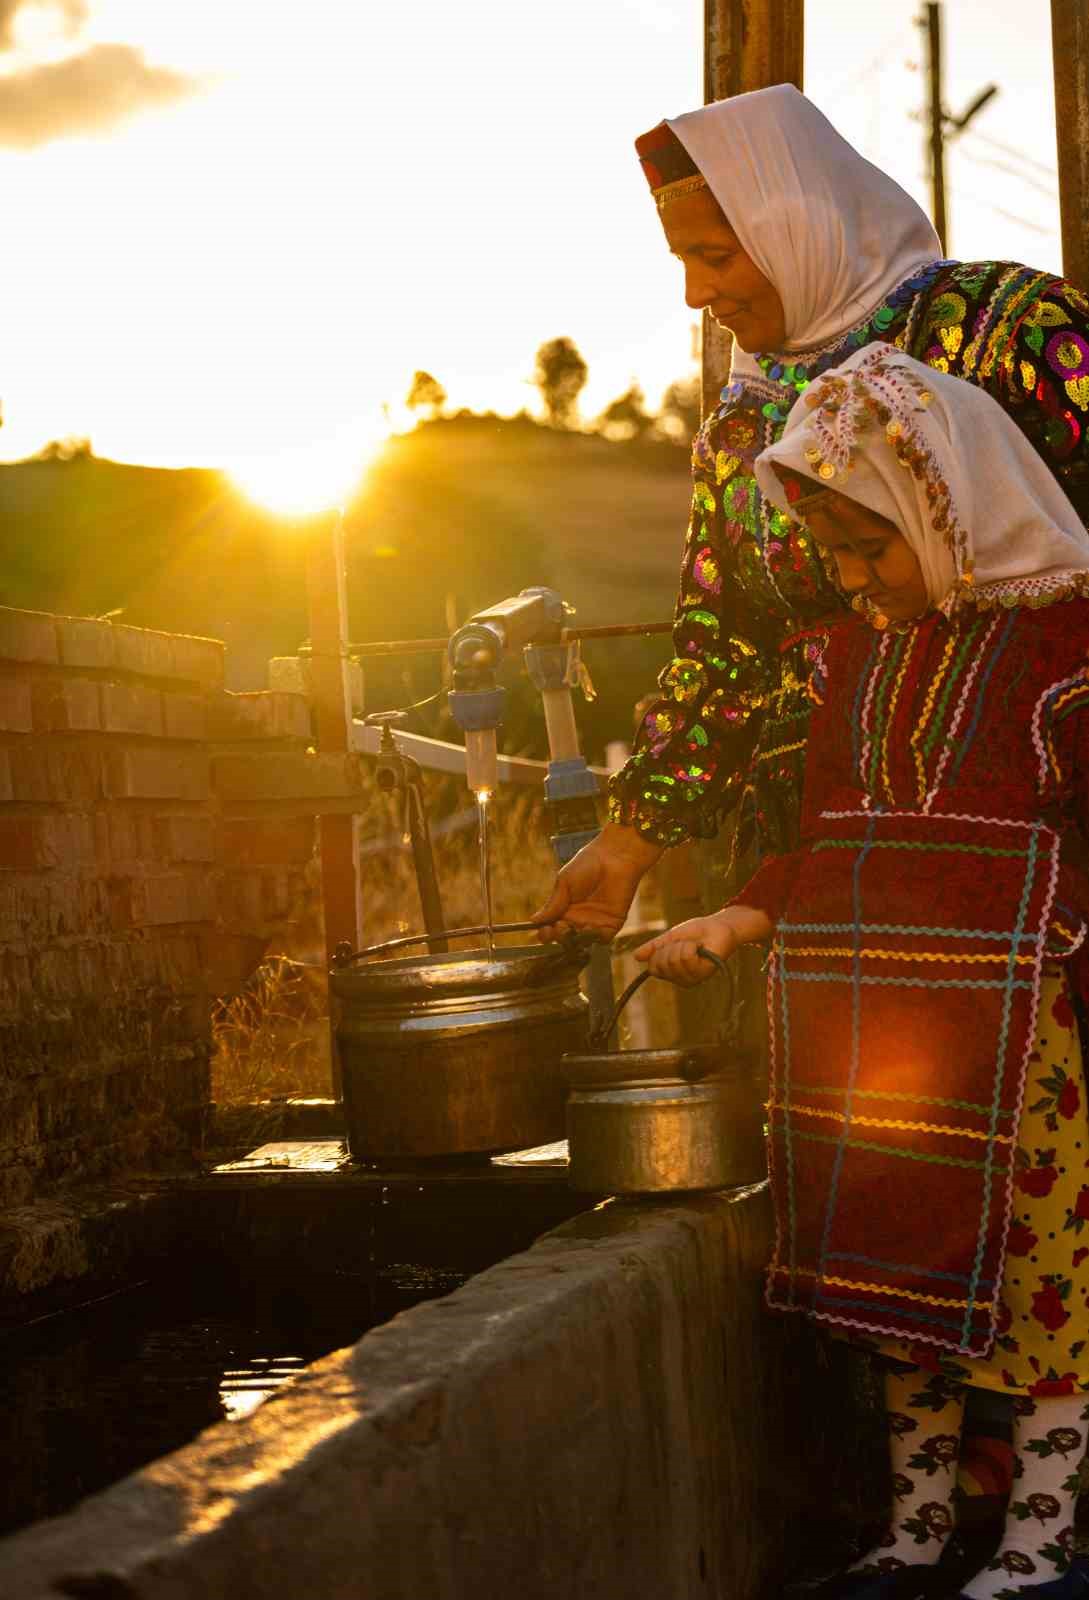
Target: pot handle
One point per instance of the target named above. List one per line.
(601, 1035)
(345, 956)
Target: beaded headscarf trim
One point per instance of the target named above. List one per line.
(885, 399)
(888, 397)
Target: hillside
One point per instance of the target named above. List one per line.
(473, 507)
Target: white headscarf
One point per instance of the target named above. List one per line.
(942, 460)
(834, 234)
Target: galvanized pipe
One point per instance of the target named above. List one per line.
(1070, 54)
(437, 647)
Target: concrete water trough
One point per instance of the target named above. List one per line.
(596, 1409)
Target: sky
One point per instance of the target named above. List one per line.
(234, 228)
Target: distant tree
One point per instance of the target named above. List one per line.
(679, 416)
(425, 391)
(560, 376)
(72, 448)
(627, 416)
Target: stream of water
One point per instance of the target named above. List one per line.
(483, 797)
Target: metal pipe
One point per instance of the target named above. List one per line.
(1070, 53)
(423, 859)
(747, 44)
(438, 647)
(397, 773)
(559, 713)
(616, 630)
(438, 755)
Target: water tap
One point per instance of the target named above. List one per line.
(477, 702)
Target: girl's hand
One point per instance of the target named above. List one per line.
(672, 955)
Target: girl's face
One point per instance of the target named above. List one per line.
(872, 557)
(719, 277)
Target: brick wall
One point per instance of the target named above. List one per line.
(126, 901)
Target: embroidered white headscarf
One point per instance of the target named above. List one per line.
(833, 233)
(942, 460)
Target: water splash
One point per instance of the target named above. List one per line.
(483, 796)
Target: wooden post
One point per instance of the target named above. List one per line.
(747, 44)
(331, 699)
(1070, 52)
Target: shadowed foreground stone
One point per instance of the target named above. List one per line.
(599, 1416)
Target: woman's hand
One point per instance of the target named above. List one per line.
(594, 891)
(673, 955)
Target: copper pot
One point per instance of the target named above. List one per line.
(458, 1053)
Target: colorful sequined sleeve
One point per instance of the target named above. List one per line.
(693, 744)
(1039, 373)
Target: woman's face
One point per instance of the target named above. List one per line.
(872, 557)
(719, 276)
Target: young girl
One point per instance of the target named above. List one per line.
(929, 1145)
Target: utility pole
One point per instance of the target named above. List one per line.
(1070, 48)
(936, 119)
(747, 44)
(940, 125)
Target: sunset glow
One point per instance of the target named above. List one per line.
(230, 229)
(296, 480)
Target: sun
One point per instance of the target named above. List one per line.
(302, 479)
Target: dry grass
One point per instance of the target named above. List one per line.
(271, 1040)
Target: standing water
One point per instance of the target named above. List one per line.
(482, 798)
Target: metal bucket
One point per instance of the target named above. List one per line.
(643, 1126)
(458, 1053)
(651, 1121)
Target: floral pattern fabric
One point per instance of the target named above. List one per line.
(755, 599)
(1042, 1348)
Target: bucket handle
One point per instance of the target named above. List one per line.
(600, 1036)
(345, 956)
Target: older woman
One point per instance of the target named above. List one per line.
(807, 253)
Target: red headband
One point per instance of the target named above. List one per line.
(667, 166)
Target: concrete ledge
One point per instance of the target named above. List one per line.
(64, 1251)
(597, 1417)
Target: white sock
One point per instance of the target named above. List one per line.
(1048, 1444)
(925, 1413)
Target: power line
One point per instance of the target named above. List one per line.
(1012, 172)
(1018, 155)
(942, 125)
(1010, 216)
(853, 79)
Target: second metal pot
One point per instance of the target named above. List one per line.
(663, 1121)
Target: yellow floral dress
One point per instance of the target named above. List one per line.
(1041, 1348)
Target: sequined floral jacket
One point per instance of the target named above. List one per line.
(981, 721)
(755, 601)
